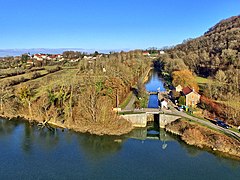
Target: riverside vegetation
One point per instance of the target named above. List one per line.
(78, 96)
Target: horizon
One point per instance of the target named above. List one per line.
(19, 52)
(107, 25)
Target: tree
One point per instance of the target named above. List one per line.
(220, 77)
(4, 95)
(184, 78)
(182, 100)
(25, 57)
(229, 55)
(192, 60)
(25, 95)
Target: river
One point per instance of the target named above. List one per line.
(29, 153)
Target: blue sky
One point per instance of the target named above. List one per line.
(107, 24)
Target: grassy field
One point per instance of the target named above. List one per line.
(50, 80)
(201, 80)
(232, 103)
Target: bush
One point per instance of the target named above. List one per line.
(35, 75)
(182, 100)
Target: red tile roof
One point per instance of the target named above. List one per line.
(186, 90)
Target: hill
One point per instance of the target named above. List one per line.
(214, 55)
(217, 49)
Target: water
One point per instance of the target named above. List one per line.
(154, 84)
(153, 101)
(27, 153)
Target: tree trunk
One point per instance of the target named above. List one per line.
(30, 109)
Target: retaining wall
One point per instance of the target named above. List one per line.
(137, 120)
(165, 119)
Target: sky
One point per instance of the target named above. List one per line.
(107, 24)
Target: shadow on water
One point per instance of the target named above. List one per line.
(99, 147)
(29, 134)
(7, 127)
(45, 138)
(28, 138)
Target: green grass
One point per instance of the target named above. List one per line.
(126, 101)
(201, 80)
(50, 80)
(130, 112)
(144, 102)
(234, 129)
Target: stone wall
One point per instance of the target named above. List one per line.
(167, 119)
(137, 120)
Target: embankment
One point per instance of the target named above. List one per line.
(203, 137)
(111, 128)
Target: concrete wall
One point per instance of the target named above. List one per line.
(166, 119)
(138, 120)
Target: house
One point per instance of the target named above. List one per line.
(179, 88)
(192, 97)
(39, 57)
(164, 104)
(145, 53)
(161, 52)
(29, 63)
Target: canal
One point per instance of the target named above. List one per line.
(154, 84)
(29, 153)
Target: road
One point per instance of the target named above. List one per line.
(174, 111)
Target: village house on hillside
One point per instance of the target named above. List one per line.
(50, 57)
(192, 97)
(179, 88)
(145, 53)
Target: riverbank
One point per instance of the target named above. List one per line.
(113, 128)
(203, 137)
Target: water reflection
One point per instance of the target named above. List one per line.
(7, 127)
(48, 139)
(99, 147)
(154, 83)
(28, 138)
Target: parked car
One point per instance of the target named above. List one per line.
(222, 124)
(180, 109)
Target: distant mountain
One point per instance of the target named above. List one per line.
(18, 52)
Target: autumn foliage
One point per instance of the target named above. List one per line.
(184, 78)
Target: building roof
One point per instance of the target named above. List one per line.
(186, 90)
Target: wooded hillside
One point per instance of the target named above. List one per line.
(216, 56)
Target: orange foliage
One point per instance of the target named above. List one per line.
(184, 78)
(213, 106)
